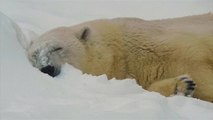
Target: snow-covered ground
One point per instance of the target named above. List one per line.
(28, 94)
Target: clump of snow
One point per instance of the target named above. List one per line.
(28, 94)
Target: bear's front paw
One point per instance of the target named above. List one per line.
(185, 86)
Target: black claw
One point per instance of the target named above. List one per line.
(186, 94)
(192, 84)
(190, 88)
(183, 78)
(189, 82)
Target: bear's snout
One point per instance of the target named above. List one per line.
(50, 70)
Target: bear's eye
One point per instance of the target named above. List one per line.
(56, 49)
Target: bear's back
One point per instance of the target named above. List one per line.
(197, 24)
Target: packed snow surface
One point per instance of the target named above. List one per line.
(28, 94)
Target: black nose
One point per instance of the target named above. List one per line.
(50, 70)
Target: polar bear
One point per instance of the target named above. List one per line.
(171, 56)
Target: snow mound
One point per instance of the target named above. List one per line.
(28, 94)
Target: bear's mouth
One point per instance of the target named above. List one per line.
(50, 70)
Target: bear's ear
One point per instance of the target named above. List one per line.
(84, 34)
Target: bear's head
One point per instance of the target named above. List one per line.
(88, 48)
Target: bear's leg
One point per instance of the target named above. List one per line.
(182, 85)
(204, 80)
